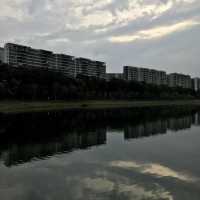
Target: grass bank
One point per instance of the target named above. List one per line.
(22, 107)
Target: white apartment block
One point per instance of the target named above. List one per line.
(87, 67)
(131, 73)
(149, 76)
(65, 64)
(18, 55)
(179, 80)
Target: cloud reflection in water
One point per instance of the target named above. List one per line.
(153, 169)
(106, 187)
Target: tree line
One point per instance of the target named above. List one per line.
(26, 83)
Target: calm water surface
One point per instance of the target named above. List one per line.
(108, 154)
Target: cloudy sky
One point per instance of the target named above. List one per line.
(160, 34)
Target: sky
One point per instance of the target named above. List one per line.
(158, 34)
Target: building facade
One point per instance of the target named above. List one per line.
(131, 73)
(1, 55)
(18, 55)
(196, 84)
(149, 76)
(101, 69)
(179, 80)
(90, 68)
(65, 64)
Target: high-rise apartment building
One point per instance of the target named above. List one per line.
(87, 67)
(131, 73)
(145, 75)
(1, 55)
(101, 69)
(65, 64)
(18, 55)
(196, 84)
(179, 80)
(149, 76)
(157, 77)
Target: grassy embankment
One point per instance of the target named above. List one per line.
(22, 107)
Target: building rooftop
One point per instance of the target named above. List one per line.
(179, 74)
(145, 69)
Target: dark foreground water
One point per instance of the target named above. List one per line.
(136, 154)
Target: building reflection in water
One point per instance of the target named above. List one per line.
(196, 118)
(159, 127)
(39, 136)
(17, 154)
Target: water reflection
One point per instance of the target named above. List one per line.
(125, 191)
(17, 153)
(101, 154)
(159, 127)
(27, 137)
(154, 169)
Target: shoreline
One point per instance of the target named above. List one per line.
(14, 107)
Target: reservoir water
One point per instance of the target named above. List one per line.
(122, 154)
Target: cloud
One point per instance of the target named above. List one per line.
(13, 9)
(58, 40)
(156, 32)
(96, 19)
(101, 18)
(106, 29)
(139, 9)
